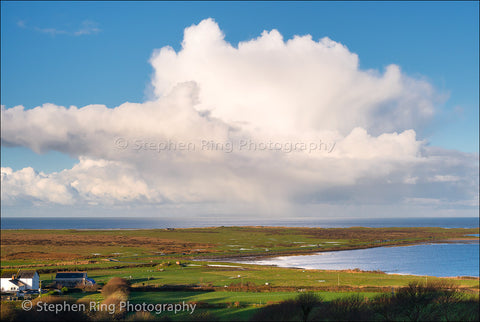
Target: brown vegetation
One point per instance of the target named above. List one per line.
(114, 285)
(84, 245)
(77, 245)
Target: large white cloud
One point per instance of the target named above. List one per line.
(300, 83)
(98, 181)
(305, 123)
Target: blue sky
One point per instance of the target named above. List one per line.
(80, 53)
(438, 40)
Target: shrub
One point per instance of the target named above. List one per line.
(351, 308)
(8, 312)
(53, 292)
(89, 287)
(109, 309)
(383, 307)
(141, 316)
(417, 301)
(204, 316)
(437, 301)
(465, 310)
(116, 284)
(307, 302)
(284, 311)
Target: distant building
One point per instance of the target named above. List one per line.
(30, 278)
(12, 285)
(72, 279)
(12, 282)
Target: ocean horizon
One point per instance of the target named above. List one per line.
(198, 222)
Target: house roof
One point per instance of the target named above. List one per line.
(91, 280)
(26, 274)
(17, 282)
(80, 275)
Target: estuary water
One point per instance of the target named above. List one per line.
(453, 259)
(429, 259)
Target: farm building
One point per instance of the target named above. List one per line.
(72, 279)
(30, 278)
(21, 281)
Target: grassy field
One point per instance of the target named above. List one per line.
(276, 277)
(221, 297)
(149, 257)
(227, 306)
(153, 261)
(98, 248)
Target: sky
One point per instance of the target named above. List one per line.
(352, 109)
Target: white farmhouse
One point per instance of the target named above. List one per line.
(12, 282)
(12, 285)
(30, 278)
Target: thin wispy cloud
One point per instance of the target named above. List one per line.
(51, 31)
(87, 27)
(21, 24)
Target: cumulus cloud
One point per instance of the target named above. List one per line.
(268, 123)
(26, 183)
(286, 85)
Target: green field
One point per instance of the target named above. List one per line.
(194, 262)
(220, 297)
(149, 257)
(204, 275)
(223, 304)
(97, 248)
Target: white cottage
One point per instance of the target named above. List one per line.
(30, 278)
(12, 285)
(24, 280)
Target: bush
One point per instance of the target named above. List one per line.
(307, 302)
(291, 310)
(109, 309)
(116, 284)
(437, 301)
(416, 301)
(89, 287)
(351, 308)
(284, 311)
(53, 292)
(141, 316)
(8, 312)
(383, 307)
(204, 316)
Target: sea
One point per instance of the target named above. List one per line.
(214, 221)
(444, 259)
